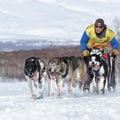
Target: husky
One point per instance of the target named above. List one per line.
(99, 67)
(70, 70)
(35, 74)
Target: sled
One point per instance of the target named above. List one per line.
(111, 76)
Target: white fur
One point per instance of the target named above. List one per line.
(34, 86)
(97, 82)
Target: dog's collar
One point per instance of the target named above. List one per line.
(66, 72)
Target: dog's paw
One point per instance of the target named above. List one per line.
(73, 85)
(63, 84)
(40, 86)
(39, 96)
(52, 94)
(70, 92)
(80, 86)
(33, 95)
(111, 89)
(102, 91)
(86, 88)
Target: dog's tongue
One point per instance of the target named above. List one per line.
(35, 78)
(95, 66)
(52, 76)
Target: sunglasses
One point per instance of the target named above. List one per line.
(96, 26)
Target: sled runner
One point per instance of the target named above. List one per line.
(111, 77)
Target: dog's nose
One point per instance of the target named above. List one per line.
(49, 69)
(92, 63)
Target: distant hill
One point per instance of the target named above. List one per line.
(12, 63)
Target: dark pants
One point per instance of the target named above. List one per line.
(111, 76)
(89, 75)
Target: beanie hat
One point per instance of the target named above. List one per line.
(99, 21)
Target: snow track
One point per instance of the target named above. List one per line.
(15, 104)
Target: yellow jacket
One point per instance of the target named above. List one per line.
(93, 39)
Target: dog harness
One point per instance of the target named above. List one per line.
(66, 72)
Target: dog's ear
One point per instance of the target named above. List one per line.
(100, 54)
(49, 61)
(26, 62)
(59, 61)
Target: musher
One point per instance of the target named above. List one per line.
(98, 34)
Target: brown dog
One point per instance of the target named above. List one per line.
(70, 70)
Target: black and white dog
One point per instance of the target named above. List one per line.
(35, 74)
(99, 67)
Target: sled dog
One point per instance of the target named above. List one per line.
(99, 67)
(35, 74)
(70, 70)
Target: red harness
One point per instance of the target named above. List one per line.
(105, 56)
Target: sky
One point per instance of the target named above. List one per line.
(53, 19)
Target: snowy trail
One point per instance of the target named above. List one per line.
(15, 104)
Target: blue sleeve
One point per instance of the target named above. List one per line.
(83, 41)
(114, 43)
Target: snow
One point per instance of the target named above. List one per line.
(16, 104)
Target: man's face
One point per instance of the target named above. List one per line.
(99, 28)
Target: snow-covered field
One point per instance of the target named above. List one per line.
(16, 104)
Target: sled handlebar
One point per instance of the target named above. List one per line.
(97, 45)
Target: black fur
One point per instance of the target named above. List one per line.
(31, 66)
(96, 63)
(102, 62)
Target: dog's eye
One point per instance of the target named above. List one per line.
(96, 59)
(54, 65)
(90, 59)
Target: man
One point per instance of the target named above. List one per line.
(97, 33)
